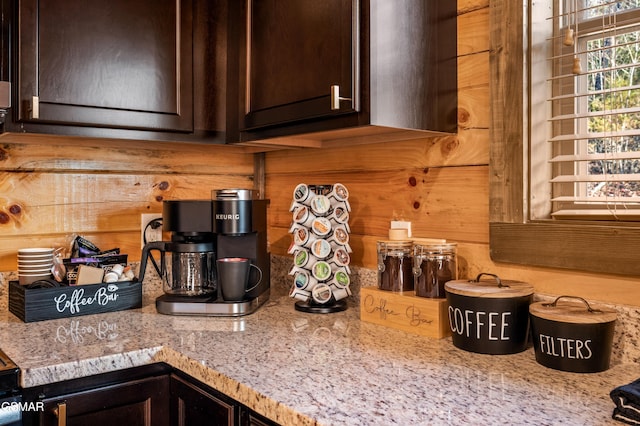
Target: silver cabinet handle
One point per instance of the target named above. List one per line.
(61, 413)
(35, 107)
(335, 97)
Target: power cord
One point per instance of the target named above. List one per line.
(153, 224)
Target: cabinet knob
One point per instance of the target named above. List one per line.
(61, 413)
(335, 97)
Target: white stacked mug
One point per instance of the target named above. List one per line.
(34, 264)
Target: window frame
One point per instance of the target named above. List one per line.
(589, 246)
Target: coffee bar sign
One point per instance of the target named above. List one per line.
(405, 311)
(39, 304)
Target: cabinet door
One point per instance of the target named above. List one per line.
(192, 404)
(140, 402)
(297, 50)
(106, 63)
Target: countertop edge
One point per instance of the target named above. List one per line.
(240, 392)
(256, 401)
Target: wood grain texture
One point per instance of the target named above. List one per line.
(447, 202)
(405, 311)
(52, 188)
(472, 32)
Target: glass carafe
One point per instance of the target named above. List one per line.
(186, 269)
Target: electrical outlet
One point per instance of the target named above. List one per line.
(150, 227)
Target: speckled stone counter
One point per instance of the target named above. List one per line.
(332, 369)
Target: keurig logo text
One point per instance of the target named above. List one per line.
(222, 216)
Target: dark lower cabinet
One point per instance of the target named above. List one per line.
(193, 404)
(141, 402)
(136, 396)
(154, 395)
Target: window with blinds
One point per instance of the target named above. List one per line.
(594, 108)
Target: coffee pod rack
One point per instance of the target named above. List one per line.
(320, 248)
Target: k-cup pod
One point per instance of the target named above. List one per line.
(339, 192)
(321, 249)
(340, 293)
(321, 293)
(340, 257)
(127, 274)
(294, 205)
(321, 226)
(302, 295)
(293, 247)
(302, 258)
(342, 204)
(304, 281)
(295, 269)
(320, 205)
(303, 216)
(295, 226)
(340, 236)
(303, 194)
(339, 215)
(302, 237)
(323, 189)
(321, 270)
(114, 274)
(340, 279)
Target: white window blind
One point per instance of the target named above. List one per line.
(595, 110)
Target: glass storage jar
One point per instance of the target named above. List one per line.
(433, 266)
(394, 266)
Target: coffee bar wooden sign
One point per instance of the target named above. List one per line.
(405, 311)
(37, 304)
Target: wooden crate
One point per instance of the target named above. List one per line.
(39, 304)
(405, 311)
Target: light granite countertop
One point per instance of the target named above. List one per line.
(329, 369)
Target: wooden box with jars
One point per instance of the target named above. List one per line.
(410, 294)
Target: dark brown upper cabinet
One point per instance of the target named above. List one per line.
(309, 66)
(115, 63)
(144, 69)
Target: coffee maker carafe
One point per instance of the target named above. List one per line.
(187, 262)
(231, 226)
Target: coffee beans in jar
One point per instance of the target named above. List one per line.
(395, 266)
(433, 266)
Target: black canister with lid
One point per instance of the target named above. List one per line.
(395, 266)
(489, 316)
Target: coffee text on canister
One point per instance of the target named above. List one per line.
(479, 324)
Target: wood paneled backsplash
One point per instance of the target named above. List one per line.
(51, 187)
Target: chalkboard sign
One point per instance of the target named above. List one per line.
(40, 304)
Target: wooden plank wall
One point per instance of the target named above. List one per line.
(54, 187)
(440, 184)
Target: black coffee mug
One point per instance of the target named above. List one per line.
(233, 277)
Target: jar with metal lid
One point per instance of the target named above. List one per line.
(433, 266)
(394, 266)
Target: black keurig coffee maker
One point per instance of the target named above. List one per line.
(217, 262)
